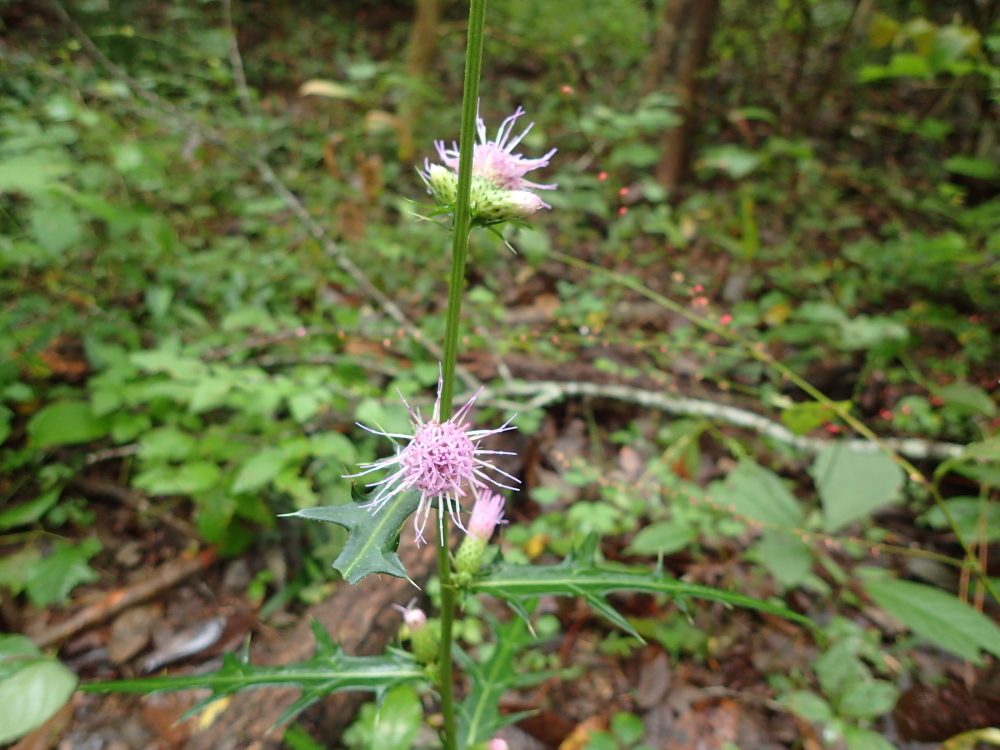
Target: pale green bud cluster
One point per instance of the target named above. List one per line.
(426, 642)
(487, 202)
(469, 558)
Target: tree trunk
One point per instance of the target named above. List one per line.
(658, 64)
(674, 162)
(422, 49)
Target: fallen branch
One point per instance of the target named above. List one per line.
(542, 393)
(119, 600)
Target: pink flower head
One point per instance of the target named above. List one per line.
(441, 460)
(494, 160)
(487, 512)
(413, 617)
(497, 743)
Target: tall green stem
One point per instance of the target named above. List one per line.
(460, 247)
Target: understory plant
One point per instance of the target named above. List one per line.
(442, 475)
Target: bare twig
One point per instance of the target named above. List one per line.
(267, 174)
(235, 59)
(118, 600)
(136, 500)
(546, 392)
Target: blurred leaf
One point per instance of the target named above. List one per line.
(186, 479)
(52, 578)
(752, 491)
(735, 161)
(328, 90)
(853, 484)
(882, 30)
(15, 569)
(950, 44)
(259, 470)
(66, 423)
(664, 537)
(56, 228)
(968, 397)
(976, 518)
(807, 704)
(628, 728)
(32, 173)
(806, 416)
(857, 738)
(868, 699)
(941, 618)
(785, 555)
(32, 687)
(392, 725)
(970, 740)
(30, 511)
(973, 166)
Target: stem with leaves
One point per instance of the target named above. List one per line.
(460, 247)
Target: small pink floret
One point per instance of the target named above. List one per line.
(487, 512)
(414, 617)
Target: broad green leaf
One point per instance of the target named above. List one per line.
(868, 699)
(52, 578)
(665, 537)
(752, 491)
(209, 393)
(373, 538)
(628, 728)
(853, 484)
(32, 687)
(30, 511)
(15, 569)
(969, 397)
(391, 725)
(941, 618)
(187, 479)
(578, 575)
(166, 443)
(259, 470)
(807, 704)
(66, 423)
(973, 166)
(950, 44)
(330, 670)
(857, 738)
(785, 555)
(32, 173)
(55, 227)
(977, 518)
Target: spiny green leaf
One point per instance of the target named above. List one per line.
(479, 715)
(579, 575)
(330, 670)
(373, 538)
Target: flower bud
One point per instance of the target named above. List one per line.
(497, 743)
(486, 514)
(443, 184)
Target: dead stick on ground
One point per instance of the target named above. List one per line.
(120, 599)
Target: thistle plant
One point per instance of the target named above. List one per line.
(444, 468)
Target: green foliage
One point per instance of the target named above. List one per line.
(854, 484)
(392, 724)
(373, 538)
(941, 618)
(32, 687)
(330, 670)
(579, 575)
(479, 713)
(625, 734)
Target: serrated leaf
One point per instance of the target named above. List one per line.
(32, 687)
(853, 484)
(578, 575)
(479, 714)
(330, 670)
(940, 617)
(373, 538)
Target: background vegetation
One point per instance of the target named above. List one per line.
(211, 267)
